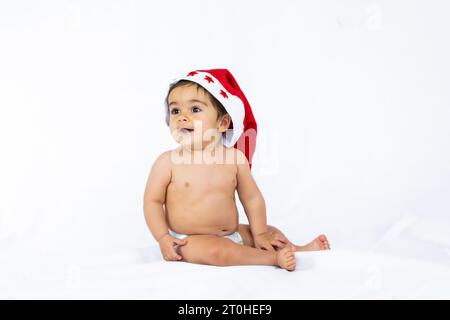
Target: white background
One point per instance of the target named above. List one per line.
(351, 98)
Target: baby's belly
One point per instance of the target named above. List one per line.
(212, 215)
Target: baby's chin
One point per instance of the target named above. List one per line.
(194, 140)
(191, 143)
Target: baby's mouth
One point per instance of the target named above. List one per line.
(186, 130)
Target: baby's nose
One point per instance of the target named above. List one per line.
(183, 118)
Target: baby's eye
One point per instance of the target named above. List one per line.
(174, 111)
(196, 109)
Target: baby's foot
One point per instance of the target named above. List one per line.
(319, 243)
(285, 258)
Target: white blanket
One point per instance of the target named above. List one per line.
(402, 271)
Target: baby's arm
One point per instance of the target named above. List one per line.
(154, 199)
(253, 203)
(155, 194)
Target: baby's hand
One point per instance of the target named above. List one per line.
(167, 246)
(269, 241)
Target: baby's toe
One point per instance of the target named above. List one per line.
(291, 266)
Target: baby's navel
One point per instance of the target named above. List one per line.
(186, 184)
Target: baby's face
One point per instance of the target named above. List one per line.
(192, 117)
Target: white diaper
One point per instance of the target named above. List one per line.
(235, 237)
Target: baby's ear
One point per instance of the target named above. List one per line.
(224, 123)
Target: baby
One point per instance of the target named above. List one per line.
(189, 200)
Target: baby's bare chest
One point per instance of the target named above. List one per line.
(203, 178)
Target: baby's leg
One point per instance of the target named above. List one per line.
(219, 251)
(319, 243)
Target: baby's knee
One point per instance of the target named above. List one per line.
(204, 250)
(218, 253)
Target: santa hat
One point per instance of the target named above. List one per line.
(222, 85)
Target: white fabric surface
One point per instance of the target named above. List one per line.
(399, 264)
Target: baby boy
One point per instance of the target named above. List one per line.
(189, 200)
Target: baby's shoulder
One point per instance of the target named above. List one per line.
(164, 159)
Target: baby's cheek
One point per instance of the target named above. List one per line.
(208, 133)
(175, 135)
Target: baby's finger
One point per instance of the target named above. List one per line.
(261, 247)
(278, 244)
(279, 237)
(176, 253)
(178, 257)
(180, 242)
(175, 257)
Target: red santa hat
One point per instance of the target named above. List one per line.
(222, 85)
